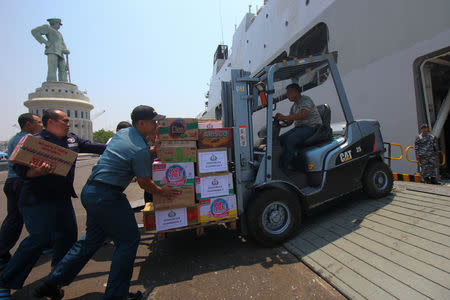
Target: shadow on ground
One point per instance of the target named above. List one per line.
(183, 256)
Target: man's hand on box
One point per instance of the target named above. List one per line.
(169, 192)
(153, 151)
(39, 170)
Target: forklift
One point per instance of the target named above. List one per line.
(271, 203)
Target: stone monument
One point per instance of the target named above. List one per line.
(58, 92)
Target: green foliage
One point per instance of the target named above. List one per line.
(101, 136)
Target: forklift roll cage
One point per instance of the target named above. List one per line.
(238, 114)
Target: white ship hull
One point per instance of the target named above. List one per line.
(383, 46)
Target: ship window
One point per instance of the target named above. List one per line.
(82, 114)
(307, 2)
(314, 42)
(68, 113)
(221, 53)
(76, 114)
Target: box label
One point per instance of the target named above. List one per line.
(211, 162)
(173, 173)
(213, 186)
(218, 208)
(215, 138)
(178, 129)
(208, 124)
(171, 218)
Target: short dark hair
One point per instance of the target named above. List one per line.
(122, 125)
(24, 118)
(51, 113)
(295, 86)
(144, 112)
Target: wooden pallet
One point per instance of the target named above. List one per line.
(230, 223)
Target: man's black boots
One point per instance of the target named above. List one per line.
(45, 290)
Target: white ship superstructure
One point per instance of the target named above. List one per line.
(394, 58)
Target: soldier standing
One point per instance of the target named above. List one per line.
(55, 48)
(426, 153)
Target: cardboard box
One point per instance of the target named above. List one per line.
(31, 149)
(208, 124)
(214, 209)
(187, 198)
(213, 186)
(150, 216)
(215, 138)
(212, 160)
(175, 174)
(178, 129)
(177, 151)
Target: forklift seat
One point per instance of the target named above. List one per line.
(323, 133)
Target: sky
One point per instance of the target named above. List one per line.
(123, 53)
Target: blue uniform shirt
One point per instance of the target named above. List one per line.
(52, 187)
(11, 145)
(126, 156)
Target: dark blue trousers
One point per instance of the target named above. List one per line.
(47, 223)
(289, 141)
(13, 223)
(109, 214)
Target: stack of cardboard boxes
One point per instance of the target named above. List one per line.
(214, 183)
(208, 193)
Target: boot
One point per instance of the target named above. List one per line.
(131, 296)
(434, 181)
(426, 180)
(46, 290)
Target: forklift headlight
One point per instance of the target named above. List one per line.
(311, 166)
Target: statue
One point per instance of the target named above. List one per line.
(54, 49)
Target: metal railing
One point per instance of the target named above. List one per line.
(389, 151)
(441, 155)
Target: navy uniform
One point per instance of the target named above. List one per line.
(13, 223)
(46, 206)
(109, 213)
(426, 149)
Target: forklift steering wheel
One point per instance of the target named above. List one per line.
(282, 123)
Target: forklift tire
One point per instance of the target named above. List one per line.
(274, 215)
(377, 180)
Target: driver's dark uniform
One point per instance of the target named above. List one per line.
(303, 129)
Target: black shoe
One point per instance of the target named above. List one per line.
(131, 296)
(426, 180)
(434, 181)
(51, 291)
(135, 296)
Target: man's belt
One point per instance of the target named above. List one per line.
(104, 184)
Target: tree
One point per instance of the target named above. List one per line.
(102, 135)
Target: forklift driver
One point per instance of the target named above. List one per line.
(306, 119)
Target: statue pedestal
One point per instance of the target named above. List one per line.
(66, 97)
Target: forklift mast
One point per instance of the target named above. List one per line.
(237, 104)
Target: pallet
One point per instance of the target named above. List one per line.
(231, 223)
